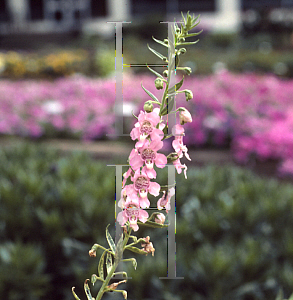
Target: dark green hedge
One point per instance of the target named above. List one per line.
(234, 231)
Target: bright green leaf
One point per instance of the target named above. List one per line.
(150, 94)
(162, 57)
(152, 224)
(156, 73)
(160, 42)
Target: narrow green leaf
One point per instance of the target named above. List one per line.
(150, 94)
(188, 43)
(195, 19)
(110, 240)
(176, 87)
(156, 73)
(109, 262)
(291, 297)
(119, 251)
(162, 57)
(87, 291)
(183, 17)
(194, 34)
(152, 224)
(101, 265)
(135, 250)
(75, 296)
(194, 25)
(160, 42)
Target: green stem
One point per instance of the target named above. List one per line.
(103, 288)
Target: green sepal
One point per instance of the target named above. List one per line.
(150, 94)
(110, 240)
(119, 251)
(160, 42)
(161, 56)
(157, 74)
(176, 87)
(88, 291)
(101, 265)
(74, 295)
(109, 262)
(135, 250)
(152, 224)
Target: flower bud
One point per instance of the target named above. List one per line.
(166, 41)
(164, 58)
(188, 95)
(165, 73)
(182, 39)
(159, 83)
(177, 30)
(160, 218)
(187, 70)
(172, 157)
(92, 253)
(148, 106)
(182, 50)
(184, 116)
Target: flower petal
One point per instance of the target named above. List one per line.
(161, 160)
(154, 188)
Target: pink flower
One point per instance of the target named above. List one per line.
(179, 147)
(132, 213)
(127, 195)
(164, 201)
(141, 187)
(146, 127)
(148, 155)
(178, 166)
(126, 175)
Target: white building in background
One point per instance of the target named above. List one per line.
(49, 16)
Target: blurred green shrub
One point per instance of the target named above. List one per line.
(234, 230)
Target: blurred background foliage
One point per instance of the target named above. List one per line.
(234, 230)
(252, 50)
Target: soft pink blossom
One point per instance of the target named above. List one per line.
(179, 147)
(164, 201)
(146, 127)
(132, 213)
(148, 155)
